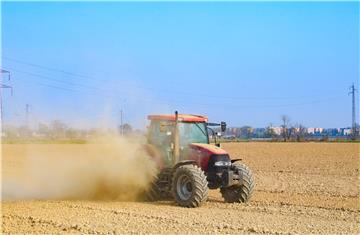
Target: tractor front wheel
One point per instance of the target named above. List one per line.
(189, 186)
(241, 192)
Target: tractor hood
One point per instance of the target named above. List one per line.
(208, 148)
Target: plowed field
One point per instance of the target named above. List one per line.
(301, 188)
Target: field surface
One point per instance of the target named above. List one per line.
(301, 188)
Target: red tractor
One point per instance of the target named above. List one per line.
(189, 165)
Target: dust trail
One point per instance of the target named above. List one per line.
(113, 168)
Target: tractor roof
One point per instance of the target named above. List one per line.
(182, 118)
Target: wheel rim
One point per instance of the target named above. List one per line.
(184, 187)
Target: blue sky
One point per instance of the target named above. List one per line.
(245, 63)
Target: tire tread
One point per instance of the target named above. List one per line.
(200, 186)
(243, 192)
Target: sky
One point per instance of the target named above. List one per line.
(240, 62)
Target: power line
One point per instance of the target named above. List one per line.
(49, 85)
(197, 94)
(47, 68)
(180, 102)
(60, 81)
(115, 93)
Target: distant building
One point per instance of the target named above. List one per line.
(259, 132)
(277, 130)
(314, 130)
(347, 131)
(331, 131)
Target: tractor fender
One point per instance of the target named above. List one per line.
(185, 162)
(235, 160)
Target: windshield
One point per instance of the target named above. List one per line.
(192, 132)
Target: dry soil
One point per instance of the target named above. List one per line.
(301, 188)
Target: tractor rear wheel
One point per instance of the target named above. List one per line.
(243, 191)
(153, 193)
(189, 186)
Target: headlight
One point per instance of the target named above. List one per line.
(222, 163)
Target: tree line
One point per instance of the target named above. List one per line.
(58, 130)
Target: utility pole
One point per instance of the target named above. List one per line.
(3, 86)
(122, 118)
(27, 112)
(121, 123)
(353, 126)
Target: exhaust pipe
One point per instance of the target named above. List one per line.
(176, 139)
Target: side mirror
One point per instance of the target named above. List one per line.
(223, 126)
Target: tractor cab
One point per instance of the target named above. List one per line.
(177, 135)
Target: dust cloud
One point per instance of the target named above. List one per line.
(108, 168)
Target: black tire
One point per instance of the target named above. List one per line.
(189, 186)
(153, 193)
(243, 191)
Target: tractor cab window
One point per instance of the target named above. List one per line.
(191, 132)
(160, 133)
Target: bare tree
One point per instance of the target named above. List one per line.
(299, 132)
(126, 129)
(286, 130)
